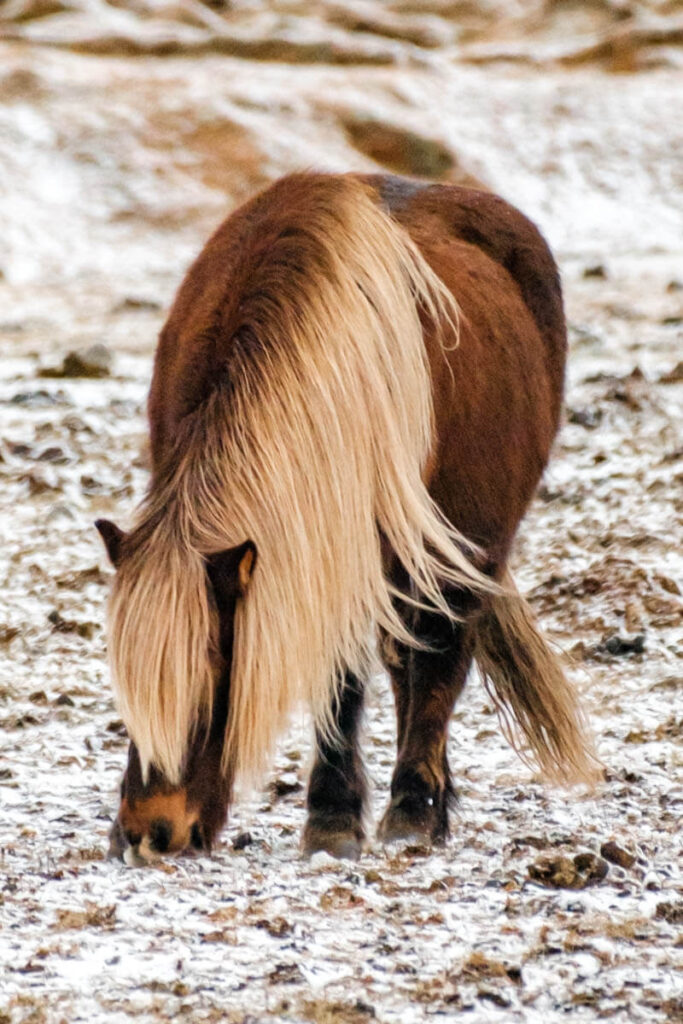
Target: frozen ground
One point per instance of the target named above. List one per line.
(118, 168)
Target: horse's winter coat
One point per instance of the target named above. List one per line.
(353, 400)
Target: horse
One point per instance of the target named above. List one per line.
(353, 400)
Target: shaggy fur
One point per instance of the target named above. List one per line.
(312, 444)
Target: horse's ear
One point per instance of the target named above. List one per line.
(246, 566)
(230, 571)
(112, 537)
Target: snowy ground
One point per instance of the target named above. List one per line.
(104, 216)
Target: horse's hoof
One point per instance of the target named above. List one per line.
(345, 843)
(412, 821)
(398, 827)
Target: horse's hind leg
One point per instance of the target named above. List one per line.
(430, 681)
(337, 787)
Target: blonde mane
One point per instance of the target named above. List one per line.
(313, 446)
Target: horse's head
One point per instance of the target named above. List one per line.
(156, 817)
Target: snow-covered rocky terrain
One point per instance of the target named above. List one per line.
(127, 131)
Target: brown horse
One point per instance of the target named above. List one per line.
(353, 400)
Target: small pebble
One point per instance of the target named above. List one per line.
(618, 645)
(242, 840)
(597, 270)
(616, 854)
(95, 361)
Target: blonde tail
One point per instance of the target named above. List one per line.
(530, 691)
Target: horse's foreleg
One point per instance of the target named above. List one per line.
(337, 787)
(430, 683)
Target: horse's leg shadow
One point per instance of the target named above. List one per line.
(426, 685)
(337, 788)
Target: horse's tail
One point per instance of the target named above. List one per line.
(530, 691)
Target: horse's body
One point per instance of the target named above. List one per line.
(275, 277)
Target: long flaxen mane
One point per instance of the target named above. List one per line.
(312, 443)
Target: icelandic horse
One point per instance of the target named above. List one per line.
(353, 400)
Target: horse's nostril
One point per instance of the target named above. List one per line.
(196, 837)
(160, 835)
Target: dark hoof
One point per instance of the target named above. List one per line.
(414, 820)
(340, 839)
(403, 822)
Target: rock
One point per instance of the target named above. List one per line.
(670, 912)
(116, 727)
(589, 418)
(275, 926)
(554, 872)
(90, 485)
(133, 303)
(38, 484)
(597, 270)
(37, 399)
(93, 362)
(76, 424)
(568, 873)
(590, 867)
(616, 854)
(285, 974)
(242, 840)
(285, 785)
(674, 376)
(53, 454)
(493, 996)
(618, 645)
(62, 625)
(19, 449)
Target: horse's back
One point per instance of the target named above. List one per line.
(498, 393)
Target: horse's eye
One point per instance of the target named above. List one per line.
(160, 834)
